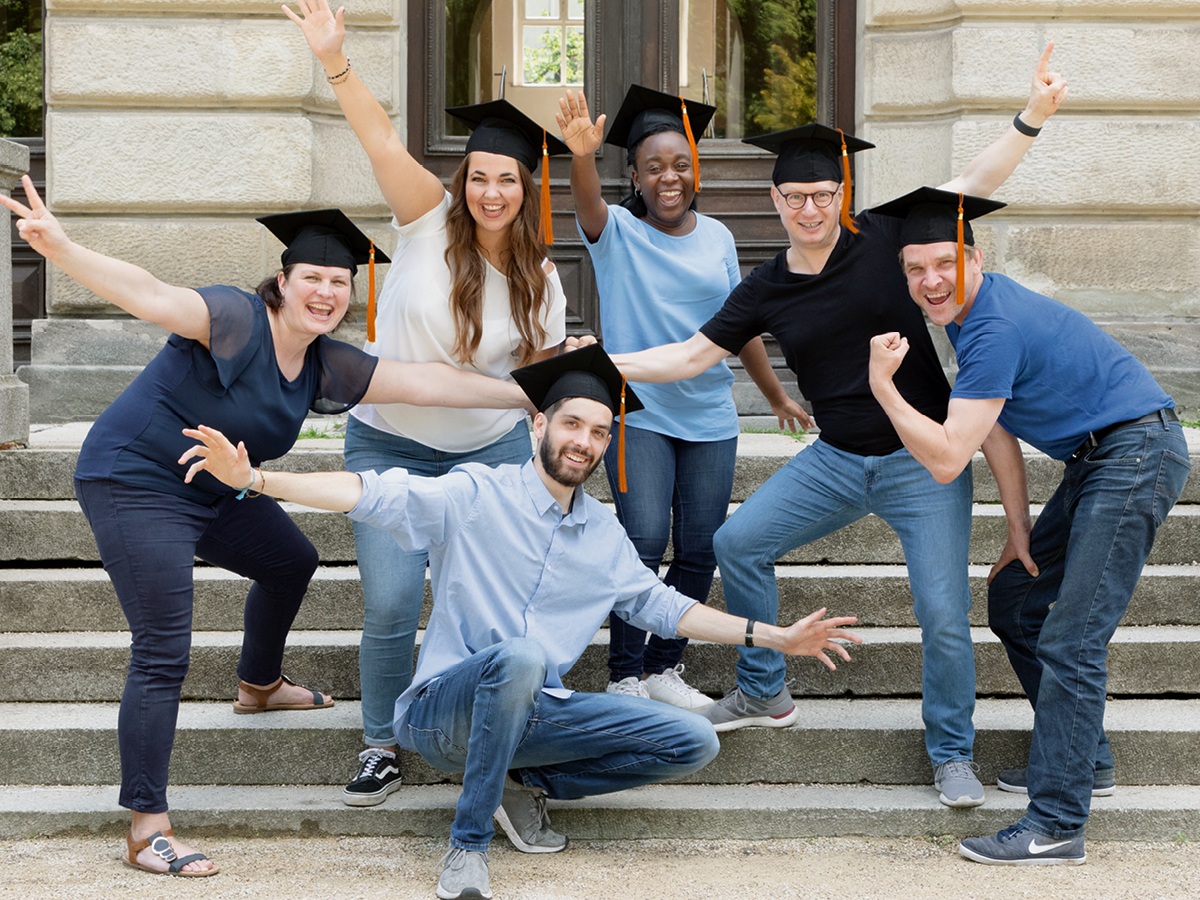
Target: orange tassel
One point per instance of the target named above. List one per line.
(847, 222)
(687, 129)
(960, 265)
(621, 484)
(371, 297)
(545, 229)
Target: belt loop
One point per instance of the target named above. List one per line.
(1162, 416)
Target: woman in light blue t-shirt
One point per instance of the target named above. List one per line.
(663, 270)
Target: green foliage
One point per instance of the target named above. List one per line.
(790, 95)
(542, 63)
(780, 62)
(21, 84)
(754, 429)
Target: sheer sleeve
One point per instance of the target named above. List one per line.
(345, 374)
(234, 329)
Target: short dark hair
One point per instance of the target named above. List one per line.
(552, 410)
(633, 200)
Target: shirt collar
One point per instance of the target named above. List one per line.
(543, 500)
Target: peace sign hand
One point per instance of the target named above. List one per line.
(35, 223)
(579, 134)
(324, 31)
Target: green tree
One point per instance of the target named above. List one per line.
(790, 95)
(21, 85)
(780, 62)
(542, 63)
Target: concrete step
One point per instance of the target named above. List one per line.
(56, 531)
(74, 599)
(834, 742)
(751, 812)
(91, 666)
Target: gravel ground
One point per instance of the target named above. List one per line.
(400, 868)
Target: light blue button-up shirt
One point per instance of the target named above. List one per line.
(505, 562)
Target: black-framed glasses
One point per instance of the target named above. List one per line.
(820, 199)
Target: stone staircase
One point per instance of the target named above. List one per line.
(853, 764)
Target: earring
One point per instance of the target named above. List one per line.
(637, 192)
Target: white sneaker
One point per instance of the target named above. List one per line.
(629, 687)
(668, 687)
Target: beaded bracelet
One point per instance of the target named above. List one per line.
(340, 76)
(1027, 130)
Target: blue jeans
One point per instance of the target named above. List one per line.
(1090, 544)
(488, 714)
(823, 489)
(393, 580)
(668, 477)
(148, 542)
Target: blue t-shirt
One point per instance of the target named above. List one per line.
(1061, 375)
(234, 386)
(657, 288)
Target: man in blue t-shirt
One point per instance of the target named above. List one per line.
(1034, 369)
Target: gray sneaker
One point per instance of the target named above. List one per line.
(738, 709)
(1016, 845)
(1016, 781)
(464, 875)
(522, 815)
(958, 783)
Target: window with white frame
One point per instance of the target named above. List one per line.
(550, 33)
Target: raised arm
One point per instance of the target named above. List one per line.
(584, 139)
(991, 168)
(811, 636)
(409, 189)
(437, 384)
(671, 362)
(1004, 457)
(133, 289)
(336, 491)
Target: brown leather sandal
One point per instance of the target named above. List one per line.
(161, 847)
(260, 696)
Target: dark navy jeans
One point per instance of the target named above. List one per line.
(147, 542)
(1090, 544)
(668, 478)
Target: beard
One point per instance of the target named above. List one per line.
(554, 466)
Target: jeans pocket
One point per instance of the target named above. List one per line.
(1173, 472)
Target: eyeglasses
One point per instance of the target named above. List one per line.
(820, 199)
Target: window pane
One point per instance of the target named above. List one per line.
(541, 9)
(574, 9)
(542, 46)
(574, 55)
(757, 61)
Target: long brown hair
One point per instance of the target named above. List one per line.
(528, 285)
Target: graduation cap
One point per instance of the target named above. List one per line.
(327, 237)
(588, 373)
(499, 127)
(645, 110)
(932, 216)
(813, 153)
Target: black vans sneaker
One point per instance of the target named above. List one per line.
(377, 777)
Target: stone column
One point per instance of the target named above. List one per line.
(14, 395)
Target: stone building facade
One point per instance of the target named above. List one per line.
(172, 123)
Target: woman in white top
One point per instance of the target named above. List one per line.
(470, 286)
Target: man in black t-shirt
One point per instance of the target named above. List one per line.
(823, 298)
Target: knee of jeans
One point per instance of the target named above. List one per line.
(523, 662)
(701, 746)
(731, 545)
(164, 659)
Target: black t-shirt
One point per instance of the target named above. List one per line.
(824, 324)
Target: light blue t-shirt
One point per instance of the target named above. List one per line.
(657, 289)
(1061, 375)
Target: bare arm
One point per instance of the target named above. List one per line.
(437, 384)
(409, 189)
(943, 449)
(133, 289)
(791, 415)
(584, 139)
(1003, 454)
(671, 362)
(337, 491)
(810, 636)
(991, 168)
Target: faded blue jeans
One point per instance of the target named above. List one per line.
(822, 490)
(1090, 544)
(668, 478)
(393, 580)
(488, 714)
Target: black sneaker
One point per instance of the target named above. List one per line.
(1015, 781)
(377, 777)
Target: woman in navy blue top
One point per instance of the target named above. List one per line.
(252, 365)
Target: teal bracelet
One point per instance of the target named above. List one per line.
(241, 495)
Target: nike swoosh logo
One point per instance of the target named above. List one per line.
(1035, 847)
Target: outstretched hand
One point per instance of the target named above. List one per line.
(324, 31)
(1048, 92)
(815, 636)
(579, 134)
(225, 462)
(35, 223)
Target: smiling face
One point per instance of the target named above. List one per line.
(315, 298)
(493, 190)
(665, 177)
(810, 227)
(931, 273)
(572, 441)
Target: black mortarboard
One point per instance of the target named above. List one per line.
(321, 237)
(588, 373)
(813, 153)
(645, 110)
(932, 216)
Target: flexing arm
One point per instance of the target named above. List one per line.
(791, 415)
(1004, 457)
(943, 449)
(991, 168)
(337, 491)
(133, 289)
(409, 189)
(810, 636)
(671, 362)
(437, 384)
(584, 139)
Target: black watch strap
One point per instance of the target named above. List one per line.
(749, 632)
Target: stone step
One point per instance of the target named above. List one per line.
(82, 599)
(55, 530)
(703, 812)
(833, 742)
(91, 666)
